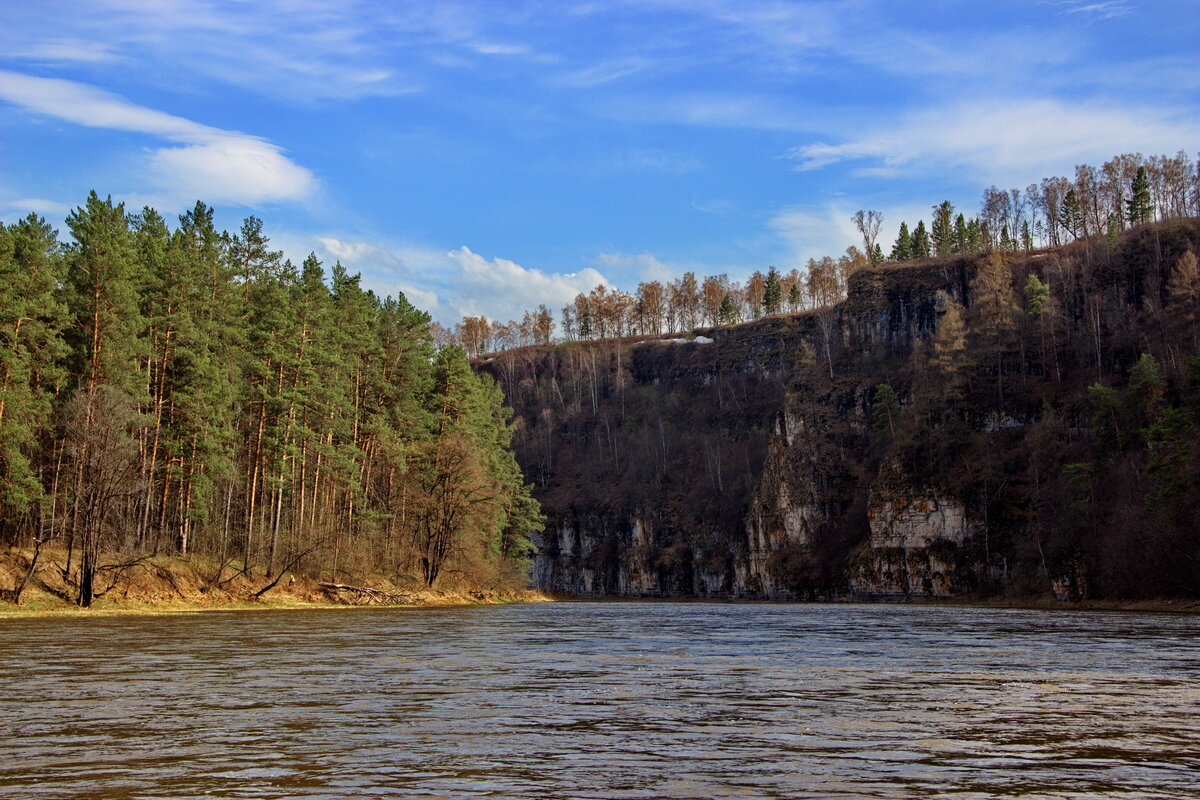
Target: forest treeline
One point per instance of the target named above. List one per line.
(190, 391)
(1125, 191)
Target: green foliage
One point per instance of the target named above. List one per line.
(1139, 207)
(727, 315)
(772, 293)
(1037, 296)
(31, 351)
(885, 408)
(902, 249)
(942, 229)
(104, 278)
(187, 390)
(920, 246)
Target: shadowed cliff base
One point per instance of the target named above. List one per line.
(1018, 425)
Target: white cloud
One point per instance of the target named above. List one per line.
(239, 170)
(37, 205)
(508, 290)
(220, 166)
(1005, 141)
(813, 232)
(387, 271)
(457, 283)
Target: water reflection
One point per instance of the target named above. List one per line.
(621, 700)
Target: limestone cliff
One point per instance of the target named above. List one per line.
(706, 466)
(749, 461)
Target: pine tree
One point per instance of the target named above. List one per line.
(103, 282)
(772, 292)
(102, 285)
(994, 310)
(961, 237)
(947, 350)
(885, 408)
(902, 249)
(1037, 304)
(31, 349)
(1070, 215)
(1140, 205)
(920, 247)
(942, 231)
(727, 314)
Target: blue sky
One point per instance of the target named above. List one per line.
(484, 157)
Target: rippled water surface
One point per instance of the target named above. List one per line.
(629, 700)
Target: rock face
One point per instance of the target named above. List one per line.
(916, 543)
(733, 465)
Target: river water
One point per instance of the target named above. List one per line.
(603, 700)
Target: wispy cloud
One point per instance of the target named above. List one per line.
(302, 51)
(1103, 10)
(221, 166)
(1004, 141)
(54, 50)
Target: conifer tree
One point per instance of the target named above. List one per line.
(885, 408)
(994, 309)
(920, 245)
(31, 350)
(1140, 205)
(942, 230)
(727, 314)
(772, 293)
(102, 285)
(1037, 304)
(961, 237)
(902, 249)
(947, 349)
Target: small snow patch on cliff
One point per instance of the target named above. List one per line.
(697, 340)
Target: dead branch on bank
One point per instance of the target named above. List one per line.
(366, 595)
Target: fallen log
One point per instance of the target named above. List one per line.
(368, 595)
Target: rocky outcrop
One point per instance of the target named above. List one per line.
(917, 542)
(719, 469)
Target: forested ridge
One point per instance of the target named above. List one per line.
(1098, 202)
(188, 391)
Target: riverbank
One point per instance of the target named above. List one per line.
(168, 585)
(1167, 606)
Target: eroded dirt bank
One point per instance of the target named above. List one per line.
(158, 584)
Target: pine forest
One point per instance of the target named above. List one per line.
(187, 391)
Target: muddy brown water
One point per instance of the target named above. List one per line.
(603, 700)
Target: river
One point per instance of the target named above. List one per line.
(603, 700)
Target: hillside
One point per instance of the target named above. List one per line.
(1018, 424)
